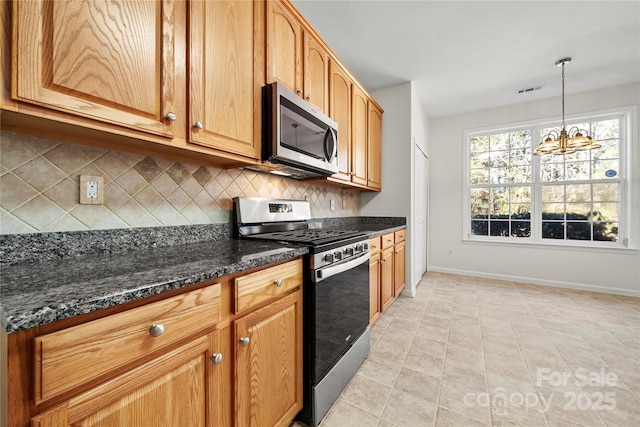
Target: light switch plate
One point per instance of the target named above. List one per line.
(91, 190)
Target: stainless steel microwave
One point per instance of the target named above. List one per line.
(298, 139)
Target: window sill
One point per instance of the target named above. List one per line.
(614, 248)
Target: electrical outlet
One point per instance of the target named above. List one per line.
(332, 205)
(91, 190)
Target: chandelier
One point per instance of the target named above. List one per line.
(565, 142)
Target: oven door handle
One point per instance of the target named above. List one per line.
(325, 273)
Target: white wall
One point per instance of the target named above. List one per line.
(602, 271)
(403, 122)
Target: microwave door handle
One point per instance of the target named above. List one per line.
(330, 134)
(325, 273)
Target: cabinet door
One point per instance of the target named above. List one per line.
(374, 147)
(386, 279)
(171, 390)
(225, 75)
(359, 137)
(316, 73)
(399, 260)
(284, 47)
(374, 287)
(340, 111)
(269, 364)
(108, 61)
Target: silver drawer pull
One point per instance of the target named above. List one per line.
(156, 330)
(244, 341)
(216, 358)
(198, 125)
(171, 117)
(277, 282)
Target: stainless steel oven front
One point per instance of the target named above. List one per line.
(337, 319)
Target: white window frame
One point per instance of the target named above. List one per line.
(629, 215)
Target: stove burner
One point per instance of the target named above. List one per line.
(313, 236)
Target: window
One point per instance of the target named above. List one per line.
(581, 198)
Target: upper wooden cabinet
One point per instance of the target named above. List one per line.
(359, 113)
(284, 46)
(340, 110)
(111, 62)
(374, 146)
(316, 73)
(225, 75)
(176, 79)
(295, 56)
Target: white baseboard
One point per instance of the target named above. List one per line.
(542, 282)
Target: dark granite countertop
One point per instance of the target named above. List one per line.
(46, 277)
(35, 293)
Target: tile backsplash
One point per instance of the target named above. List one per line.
(40, 185)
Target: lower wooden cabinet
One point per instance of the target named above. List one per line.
(269, 364)
(399, 262)
(227, 354)
(174, 389)
(387, 293)
(374, 286)
(386, 271)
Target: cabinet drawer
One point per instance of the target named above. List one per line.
(263, 285)
(374, 245)
(399, 236)
(387, 240)
(73, 356)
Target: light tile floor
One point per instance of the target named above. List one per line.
(477, 352)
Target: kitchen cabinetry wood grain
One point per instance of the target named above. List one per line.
(399, 262)
(359, 137)
(112, 63)
(386, 271)
(175, 79)
(269, 364)
(374, 146)
(340, 87)
(226, 75)
(284, 46)
(386, 279)
(374, 280)
(316, 72)
(68, 358)
(168, 391)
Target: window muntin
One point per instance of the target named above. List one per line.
(500, 190)
(575, 198)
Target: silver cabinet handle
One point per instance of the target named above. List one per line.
(216, 358)
(244, 341)
(156, 330)
(308, 98)
(172, 117)
(277, 282)
(198, 125)
(299, 91)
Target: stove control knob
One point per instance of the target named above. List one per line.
(337, 255)
(365, 246)
(329, 258)
(348, 251)
(359, 248)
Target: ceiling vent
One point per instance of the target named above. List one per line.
(528, 89)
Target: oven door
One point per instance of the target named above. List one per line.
(341, 310)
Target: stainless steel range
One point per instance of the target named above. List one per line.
(335, 293)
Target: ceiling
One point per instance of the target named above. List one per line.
(470, 55)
